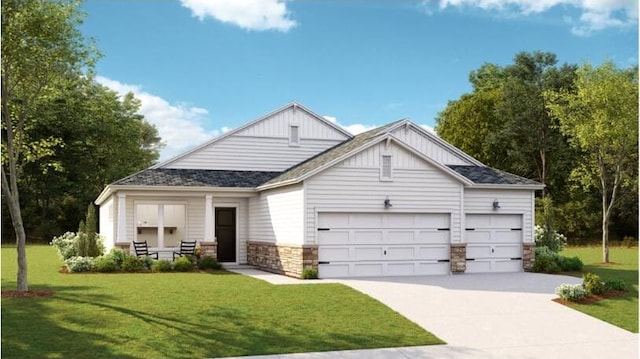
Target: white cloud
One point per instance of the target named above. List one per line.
(259, 15)
(429, 128)
(596, 14)
(179, 125)
(353, 129)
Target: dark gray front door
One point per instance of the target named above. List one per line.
(226, 234)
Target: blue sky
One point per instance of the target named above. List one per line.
(202, 67)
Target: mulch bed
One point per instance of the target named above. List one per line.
(591, 298)
(27, 294)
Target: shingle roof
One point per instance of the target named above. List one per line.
(488, 175)
(329, 155)
(197, 178)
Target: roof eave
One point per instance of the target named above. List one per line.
(508, 186)
(111, 189)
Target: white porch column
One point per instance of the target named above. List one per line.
(208, 218)
(160, 226)
(122, 218)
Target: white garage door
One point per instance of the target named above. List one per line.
(382, 244)
(494, 243)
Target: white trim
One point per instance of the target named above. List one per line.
(383, 177)
(235, 205)
(121, 235)
(508, 186)
(174, 191)
(209, 229)
(294, 141)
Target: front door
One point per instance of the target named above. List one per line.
(226, 234)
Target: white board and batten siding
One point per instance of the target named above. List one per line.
(264, 145)
(494, 237)
(429, 147)
(277, 215)
(418, 192)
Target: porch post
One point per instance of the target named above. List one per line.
(208, 218)
(122, 218)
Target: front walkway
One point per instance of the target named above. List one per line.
(507, 315)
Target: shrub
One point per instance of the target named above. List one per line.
(615, 284)
(79, 264)
(105, 264)
(183, 264)
(146, 261)
(546, 261)
(117, 255)
(162, 265)
(592, 283)
(65, 244)
(551, 239)
(309, 273)
(572, 292)
(132, 264)
(573, 264)
(208, 262)
(629, 242)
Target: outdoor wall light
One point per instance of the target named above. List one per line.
(387, 203)
(496, 204)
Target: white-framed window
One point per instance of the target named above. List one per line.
(294, 135)
(386, 168)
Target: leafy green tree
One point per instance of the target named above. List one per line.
(601, 119)
(41, 45)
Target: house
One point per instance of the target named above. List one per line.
(292, 190)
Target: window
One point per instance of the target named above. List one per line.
(294, 135)
(386, 173)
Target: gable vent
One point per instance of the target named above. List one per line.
(385, 170)
(294, 135)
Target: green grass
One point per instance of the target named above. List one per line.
(621, 311)
(187, 315)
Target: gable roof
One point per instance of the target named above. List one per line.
(198, 178)
(436, 139)
(292, 105)
(488, 175)
(346, 149)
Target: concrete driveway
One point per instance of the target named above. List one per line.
(508, 315)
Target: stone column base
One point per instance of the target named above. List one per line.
(287, 259)
(458, 258)
(528, 256)
(125, 246)
(209, 249)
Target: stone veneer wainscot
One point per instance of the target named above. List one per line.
(288, 259)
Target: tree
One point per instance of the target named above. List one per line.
(601, 119)
(41, 48)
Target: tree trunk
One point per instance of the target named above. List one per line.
(13, 202)
(605, 237)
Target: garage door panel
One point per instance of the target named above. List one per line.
(400, 269)
(367, 269)
(478, 236)
(507, 236)
(432, 236)
(339, 270)
(335, 220)
(333, 237)
(507, 265)
(433, 252)
(367, 253)
(334, 254)
(478, 251)
(398, 236)
(400, 253)
(508, 251)
(364, 237)
(365, 220)
(399, 220)
(493, 221)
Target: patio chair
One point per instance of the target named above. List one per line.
(142, 249)
(186, 249)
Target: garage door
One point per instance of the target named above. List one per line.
(494, 243)
(382, 244)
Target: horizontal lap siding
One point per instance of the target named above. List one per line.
(511, 202)
(245, 153)
(355, 186)
(429, 147)
(264, 146)
(277, 216)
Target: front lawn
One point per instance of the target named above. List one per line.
(187, 315)
(621, 311)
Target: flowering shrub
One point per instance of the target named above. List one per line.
(571, 292)
(80, 264)
(553, 240)
(73, 244)
(592, 283)
(66, 245)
